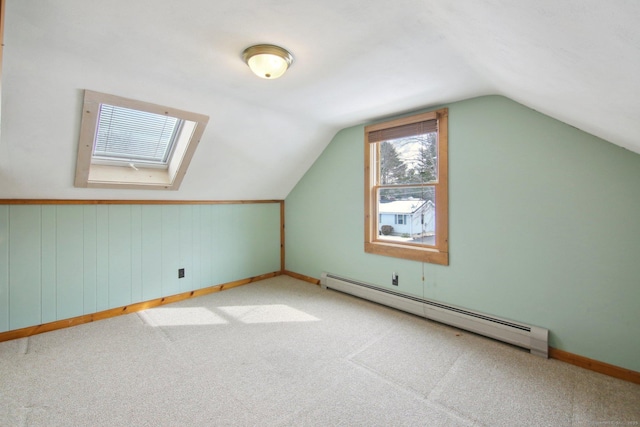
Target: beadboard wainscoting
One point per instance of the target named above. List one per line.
(63, 260)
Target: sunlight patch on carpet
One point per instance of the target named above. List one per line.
(182, 316)
(274, 313)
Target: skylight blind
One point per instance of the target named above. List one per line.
(412, 129)
(132, 135)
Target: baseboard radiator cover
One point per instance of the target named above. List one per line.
(533, 338)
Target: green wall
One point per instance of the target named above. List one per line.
(62, 261)
(544, 227)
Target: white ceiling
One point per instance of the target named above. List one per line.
(355, 61)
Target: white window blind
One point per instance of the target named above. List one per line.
(129, 135)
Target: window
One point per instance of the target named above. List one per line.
(126, 137)
(400, 219)
(132, 144)
(406, 188)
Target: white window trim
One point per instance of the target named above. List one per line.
(95, 175)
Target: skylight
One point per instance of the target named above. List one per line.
(126, 143)
(127, 135)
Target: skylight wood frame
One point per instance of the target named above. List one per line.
(90, 175)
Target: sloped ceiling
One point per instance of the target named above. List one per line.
(355, 61)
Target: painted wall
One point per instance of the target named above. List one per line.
(544, 227)
(61, 261)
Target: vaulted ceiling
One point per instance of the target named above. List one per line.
(355, 61)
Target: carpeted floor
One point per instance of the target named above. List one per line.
(282, 352)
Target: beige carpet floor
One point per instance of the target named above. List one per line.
(282, 352)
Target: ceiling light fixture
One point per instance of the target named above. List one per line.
(267, 61)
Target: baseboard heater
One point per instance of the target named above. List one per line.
(530, 337)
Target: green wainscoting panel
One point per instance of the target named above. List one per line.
(195, 277)
(256, 245)
(89, 259)
(102, 257)
(170, 249)
(25, 266)
(49, 264)
(217, 251)
(136, 253)
(151, 247)
(224, 256)
(4, 268)
(62, 261)
(70, 262)
(119, 255)
(185, 256)
(234, 235)
(246, 243)
(205, 247)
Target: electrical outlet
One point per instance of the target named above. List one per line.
(180, 273)
(394, 279)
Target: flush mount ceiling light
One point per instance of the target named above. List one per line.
(267, 61)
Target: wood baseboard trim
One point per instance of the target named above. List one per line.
(595, 365)
(131, 308)
(301, 277)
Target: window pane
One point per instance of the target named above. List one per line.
(128, 135)
(410, 160)
(407, 215)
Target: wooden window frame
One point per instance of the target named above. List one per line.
(437, 254)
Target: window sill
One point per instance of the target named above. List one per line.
(432, 256)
